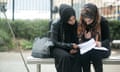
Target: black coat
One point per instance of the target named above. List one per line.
(63, 36)
(105, 34)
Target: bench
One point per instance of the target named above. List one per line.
(116, 43)
(38, 61)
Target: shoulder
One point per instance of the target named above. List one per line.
(55, 22)
(104, 25)
(103, 20)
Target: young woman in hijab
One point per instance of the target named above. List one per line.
(64, 37)
(92, 25)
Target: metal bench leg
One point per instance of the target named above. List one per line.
(38, 67)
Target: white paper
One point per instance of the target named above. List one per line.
(101, 48)
(89, 45)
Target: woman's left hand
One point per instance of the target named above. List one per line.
(73, 51)
(98, 44)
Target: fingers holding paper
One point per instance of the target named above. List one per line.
(98, 44)
(73, 51)
(75, 46)
(89, 45)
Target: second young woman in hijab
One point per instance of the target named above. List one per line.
(92, 25)
(64, 37)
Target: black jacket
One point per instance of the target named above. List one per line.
(60, 38)
(105, 33)
(63, 34)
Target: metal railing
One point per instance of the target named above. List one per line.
(110, 10)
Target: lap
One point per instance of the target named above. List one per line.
(94, 55)
(57, 52)
(99, 54)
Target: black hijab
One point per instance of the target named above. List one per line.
(66, 12)
(69, 31)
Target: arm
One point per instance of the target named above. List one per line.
(55, 35)
(105, 34)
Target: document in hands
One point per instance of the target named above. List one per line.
(89, 45)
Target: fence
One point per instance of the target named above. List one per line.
(44, 9)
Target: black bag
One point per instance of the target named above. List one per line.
(41, 47)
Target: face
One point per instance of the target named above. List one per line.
(71, 20)
(88, 20)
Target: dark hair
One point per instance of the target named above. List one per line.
(90, 11)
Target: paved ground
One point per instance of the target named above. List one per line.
(12, 62)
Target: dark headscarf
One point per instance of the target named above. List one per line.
(66, 12)
(70, 31)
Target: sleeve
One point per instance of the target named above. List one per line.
(55, 32)
(105, 34)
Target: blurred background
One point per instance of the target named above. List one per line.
(39, 9)
(31, 18)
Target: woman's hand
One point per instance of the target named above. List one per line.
(75, 46)
(98, 44)
(73, 51)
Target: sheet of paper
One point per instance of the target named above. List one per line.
(101, 48)
(89, 45)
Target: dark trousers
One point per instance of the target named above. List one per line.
(65, 62)
(95, 57)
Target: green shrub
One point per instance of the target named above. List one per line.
(4, 35)
(25, 44)
(23, 29)
(5, 40)
(4, 25)
(27, 30)
(115, 30)
(30, 29)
